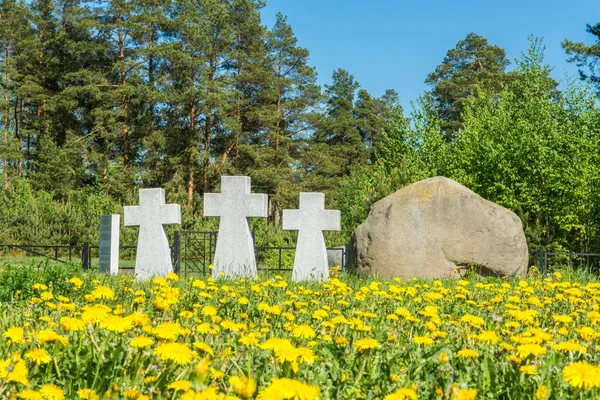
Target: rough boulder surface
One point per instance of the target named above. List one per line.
(435, 227)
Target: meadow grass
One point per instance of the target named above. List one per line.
(86, 335)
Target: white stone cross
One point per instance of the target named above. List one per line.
(310, 262)
(153, 257)
(234, 253)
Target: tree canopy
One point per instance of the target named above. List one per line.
(98, 99)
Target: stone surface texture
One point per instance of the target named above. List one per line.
(433, 227)
(234, 253)
(310, 261)
(153, 257)
(109, 243)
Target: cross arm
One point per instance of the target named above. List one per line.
(132, 216)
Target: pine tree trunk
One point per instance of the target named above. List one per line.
(19, 135)
(6, 113)
(151, 78)
(191, 161)
(41, 104)
(124, 101)
(207, 130)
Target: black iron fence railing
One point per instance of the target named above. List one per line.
(192, 252)
(62, 254)
(545, 259)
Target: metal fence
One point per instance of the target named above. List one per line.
(574, 260)
(61, 254)
(192, 253)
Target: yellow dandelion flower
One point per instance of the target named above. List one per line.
(48, 336)
(29, 394)
(14, 370)
(15, 334)
(366, 344)
(76, 282)
(305, 355)
(38, 356)
(444, 358)
(87, 394)
(525, 350)
(528, 370)
(141, 341)
(243, 386)
(177, 352)
(465, 394)
(468, 353)
(488, 337)
(103, 293)
(46, 296)
(95, 313)
(208, 311)
(172, 276)
(402, 394)
(424, 340)
(541, 393)
(115, 323)
(582, 375)
(52, 392)
(180, 385)
(168, 331)
(250, 339)
(72, 324)
(304, 332)
(204, 347)
(284, 388)
(131, 394)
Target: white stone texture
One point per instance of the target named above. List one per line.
(109, 243)
(234, 253)
(153, 256)
(310, 262)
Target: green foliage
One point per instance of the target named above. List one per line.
(527, 147)
(361, 189)
(17, 280)
(532, 153)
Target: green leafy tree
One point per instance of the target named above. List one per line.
(517, 149)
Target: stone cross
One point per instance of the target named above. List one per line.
(310, 262)
(109, 243)
(234, 253)
(153, 257)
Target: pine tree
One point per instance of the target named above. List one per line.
(373, 116)
(472, 65)
(13, 28)
(586, 56)
(337, 147)
(289, 93)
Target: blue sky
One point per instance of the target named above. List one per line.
(395, 43)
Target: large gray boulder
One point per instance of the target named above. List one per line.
(435, 227)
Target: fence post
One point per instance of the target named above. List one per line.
(541, 261)
(176, 250)
(85, 256)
